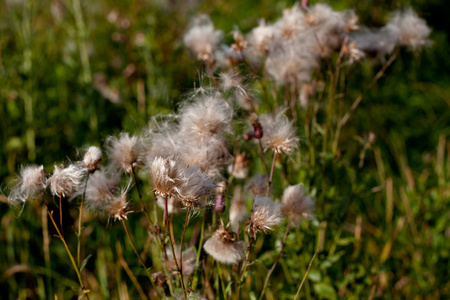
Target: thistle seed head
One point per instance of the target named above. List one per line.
(125, 151)
(66, 181)
(202, 38)
(31, 183)
(279, 133)
(297, 204)
(265, 215)
(166, 176)
(92, 159)
(224, 247)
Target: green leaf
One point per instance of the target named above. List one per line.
(83, 264)
(325, 291)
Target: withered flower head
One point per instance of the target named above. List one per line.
(195, 188)
(409, 29)
(258, 185)
(265, 215)
(279, 134)
(66, 181)
(208, 115)
(120, 207)
(100, 191)
(296, 203)
(224, 247)
(125, 152)
(92, 159)
(202, 38)
(166, 175)
(160, 279)
(31, 183)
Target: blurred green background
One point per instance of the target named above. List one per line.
(74, 72)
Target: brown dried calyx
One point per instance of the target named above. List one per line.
(226, 235)
(160, 279)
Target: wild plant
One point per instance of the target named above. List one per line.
(209, 177)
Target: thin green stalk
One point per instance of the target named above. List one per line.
(81, 31)
(358, 100)
(182, 239)
(60, 216)
(139, 257)
(139, 193)
(271, 173)
(80, 220)
(244, 266)
(130, 274)
(166, 213)
(221, 280)
(200, 244)
(306, 274)
(266, 281)
(263, 159)
(72, 260)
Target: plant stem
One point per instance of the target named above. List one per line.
(166, 214)
(79, 221)
(60, 216)
(244, 266)
(221, 280)
(276, 260)
(139, 192)
(358, 100)
(306, 274)
(263, 158)
(139, 257)
(271, 173)
(72, 260)
(182, 239)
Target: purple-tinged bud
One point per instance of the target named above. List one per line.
(220, 203)
(257, 128)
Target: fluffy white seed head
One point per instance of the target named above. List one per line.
(291, 24)
(260, 38)
(92, 158)
(290, 62)
(189, 260)
(31, 183)
(66, 181)
(125, 151)
(195, 188)
(100, 190)
(279, 133)
(208, 115)
(297, 204)
(166, 175)
(258, 185)
(202, 38)
(120, 207)
(224, 247)
(208, 155)
(408, 29)
(266, 214)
